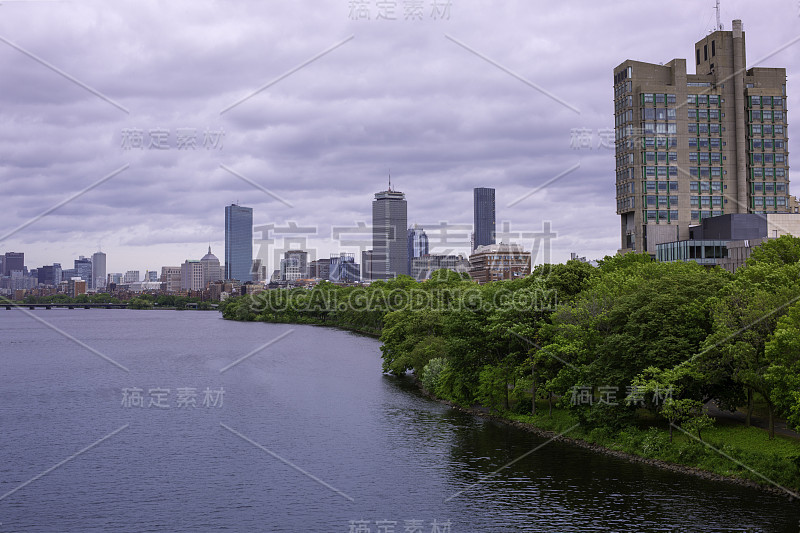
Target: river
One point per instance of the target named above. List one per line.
(131, 420)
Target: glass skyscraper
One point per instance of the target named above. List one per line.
(484, 219)
(417, 244)
(238, 242)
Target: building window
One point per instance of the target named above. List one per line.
(705, 53)
(713, 48)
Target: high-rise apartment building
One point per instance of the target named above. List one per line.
(98, 270)
(483, 217)
(389, 237)
(692, 146)
(238, 243)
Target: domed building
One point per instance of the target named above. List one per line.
(211, 269)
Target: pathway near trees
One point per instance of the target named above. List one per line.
(741, 417)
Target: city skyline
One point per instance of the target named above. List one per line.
(316, 141)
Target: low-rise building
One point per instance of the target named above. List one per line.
(494, 262)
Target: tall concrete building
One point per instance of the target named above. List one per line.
(483, 217)
(238, 243)
(98, 270)
(692, 146)
(389, 238)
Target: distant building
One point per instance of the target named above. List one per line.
(238, 243)
(13, 261)
(211, 268)
(192, 275)
(494, 262)
(83, 265)
(320, 269)
(76, 286)
(344, 269)
(423, 267)
(366, 265)
(483, 217)
(389, 237)
(417, 244)
(151, 276)
(115, 278)
(171, 278)
(294, 265)
(98, 270)
(131, 276)
(49, 275)
(259, 270)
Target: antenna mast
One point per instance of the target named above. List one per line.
(719, 22)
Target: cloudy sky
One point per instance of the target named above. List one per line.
(301, 109)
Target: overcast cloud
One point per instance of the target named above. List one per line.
(408, 96)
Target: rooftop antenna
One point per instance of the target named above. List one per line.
(719, 21)
(390, 181)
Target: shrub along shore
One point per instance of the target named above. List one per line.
(624, 357)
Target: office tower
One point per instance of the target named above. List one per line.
(321, 268)
(389, 237)
(84, 267)
(211, 268)
(49, 275)
(692, 146)
(98, 270)
(171, 278)
(192, 275)
(294, 265)
(417, 244)
(483, 216)
(131, 276)
(238, 243)
(13, 261)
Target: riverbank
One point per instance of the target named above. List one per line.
(561, 436)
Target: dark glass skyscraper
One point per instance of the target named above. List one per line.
(483, 214)
(238, 242)
(389, 238)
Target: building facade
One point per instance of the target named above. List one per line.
(171, 278)
(13, 261)
(692, 146)
(422, 268)
(417, 244)
(238, 243)
(98, 270)
(389, 235)
(343, 268)
(211, 268)
(495, 262)
(83, 266)
(483, 217)
(192, 275)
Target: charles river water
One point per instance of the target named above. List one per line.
(208, 429)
